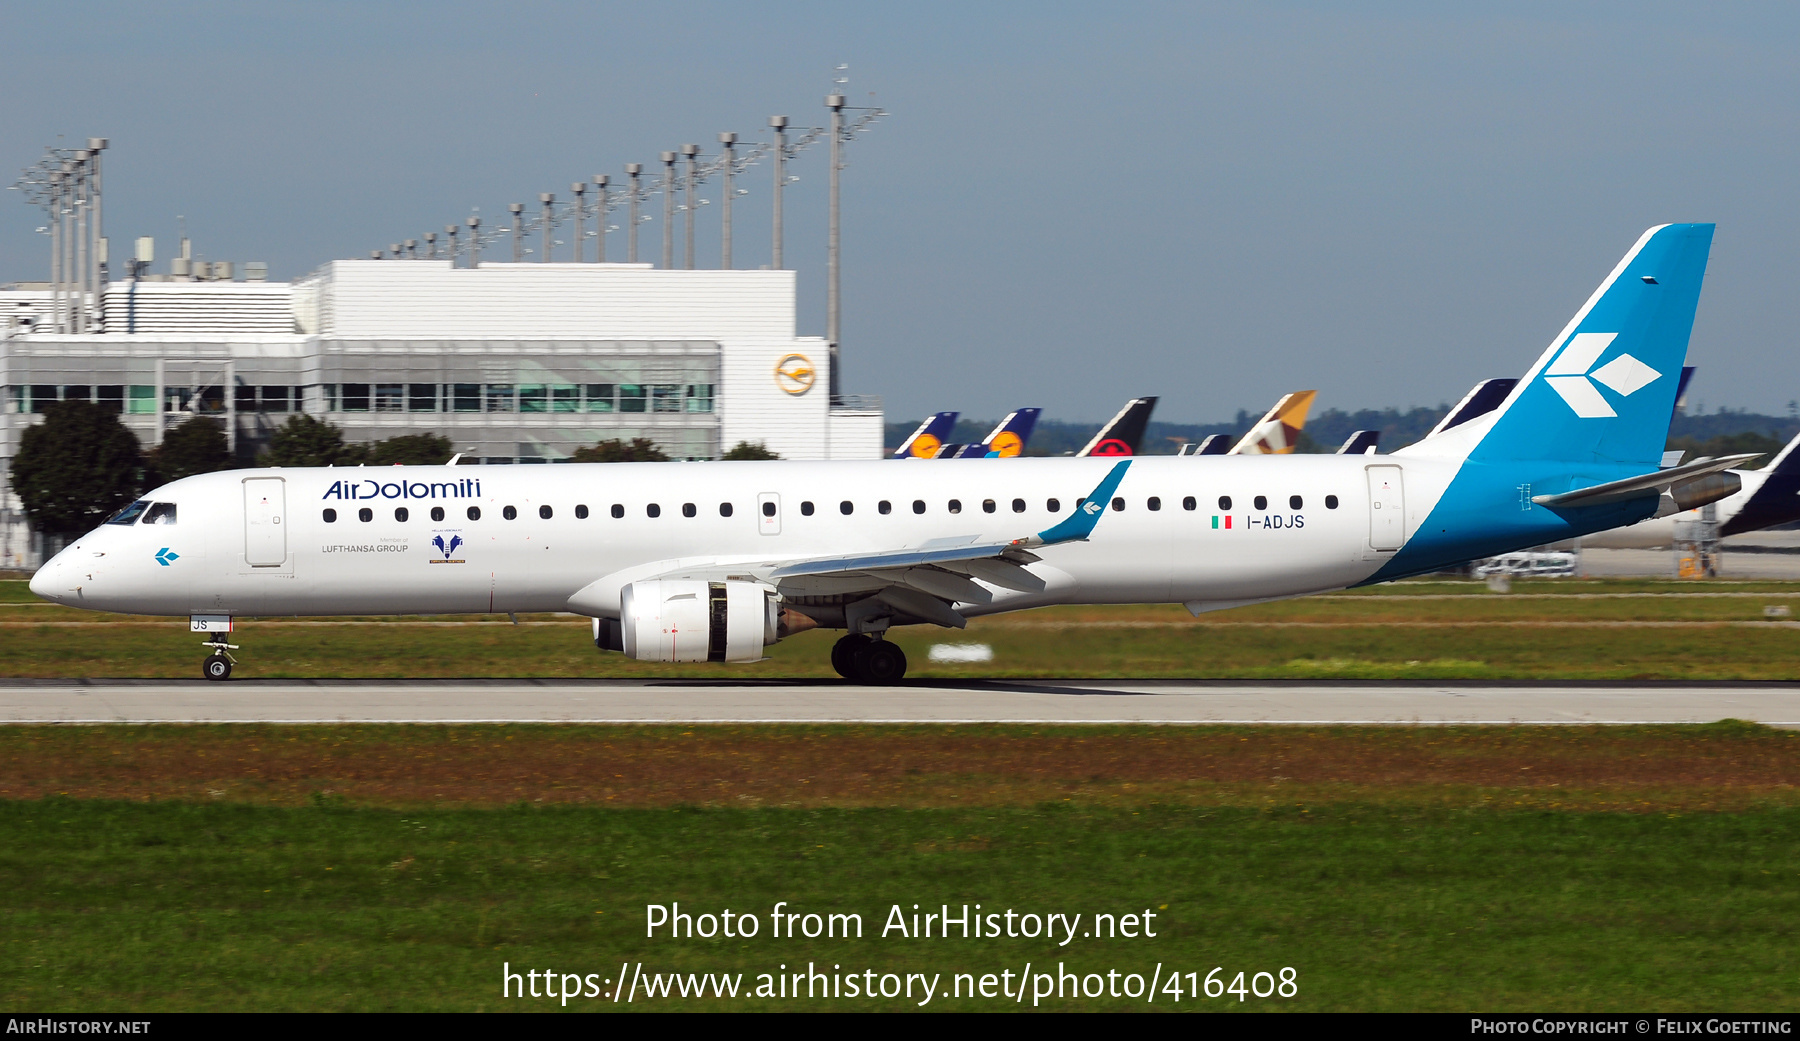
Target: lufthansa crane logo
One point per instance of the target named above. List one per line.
(794, 373)
(925, 446)
(1006, 445)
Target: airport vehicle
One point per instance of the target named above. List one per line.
(714, 561)
(1539, 564)
(1123, 434)
(1005, 441)
(924, 442)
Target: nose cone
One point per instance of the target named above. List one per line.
(44, 583)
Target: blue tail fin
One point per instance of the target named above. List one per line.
(925, 441)
(1602, 394)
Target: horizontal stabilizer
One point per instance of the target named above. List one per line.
(1643, 484)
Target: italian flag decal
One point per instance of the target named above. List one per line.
(1216, 520)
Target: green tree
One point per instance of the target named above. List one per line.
(197, 446)
(638, 450)
(305, 441)
(410, 450)
(76, 468)
(744, 450)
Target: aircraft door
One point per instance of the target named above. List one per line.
(768, 513)
(265, 531)
(1387, 508)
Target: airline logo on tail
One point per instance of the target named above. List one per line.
(1279, 431)
(1572, 375)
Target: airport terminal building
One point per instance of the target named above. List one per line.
(515, 363)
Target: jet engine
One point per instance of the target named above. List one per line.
(1696, 493)
(692, 620)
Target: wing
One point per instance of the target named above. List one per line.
(922, 581)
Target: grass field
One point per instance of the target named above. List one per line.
(1562, 629)
(400, 867)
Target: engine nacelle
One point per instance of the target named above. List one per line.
(1690, 495)
(682, 619)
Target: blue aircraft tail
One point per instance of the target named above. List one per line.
(1600, 397)
(1007, 438)
(1569, 450)
(924, 442)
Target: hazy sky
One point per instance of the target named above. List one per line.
(1070, 204)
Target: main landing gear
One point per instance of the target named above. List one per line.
(217, 665)
(860, 659)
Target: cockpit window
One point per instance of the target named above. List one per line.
(129, 514)
(160, 513)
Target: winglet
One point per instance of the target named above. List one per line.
(1077, 526)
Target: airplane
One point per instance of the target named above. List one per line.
(692, 562)
(1123, 434)
(924, 442)
(1005, 441)
(1276, 433)
(1767, 497)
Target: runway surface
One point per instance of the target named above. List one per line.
(1025, 701)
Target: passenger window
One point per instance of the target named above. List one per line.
(725, 509)
(545, 512)
(437, 513)
(845, 508)
(164, 513)
(581, 512)
(618, 512)
(365, 515)
(1053, 505)
(1224, 502)
(884, 507)
(474, 513)
(1331, 502)
(1118, 505)
(401, 514)
(918, 505)
(1294, 502)
(653, 510)
(330, 516)
(129, 514)
(987, 505)
(510, 513)
(1018, 505)
(689, 510)
(806, 509)
(768, 509)
(1189, 503)
(1261, 502)
(1154, 503)
(955, 506)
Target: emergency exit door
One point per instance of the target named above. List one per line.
(768, 513)
(1387, 509)
(265, 527)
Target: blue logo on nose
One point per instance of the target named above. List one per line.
(166, 556)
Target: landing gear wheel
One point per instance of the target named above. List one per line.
(216, 667)
(879, 663)
(843, 655)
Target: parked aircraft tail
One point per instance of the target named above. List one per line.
(1279, 431)
(1006, 440)
(1361, 442)
(1777, 501)
(1124, 433)
(924, 442)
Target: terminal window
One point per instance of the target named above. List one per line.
(421, 397)
(500, 397)
(533, 397)
(700, 397)
(632, 397)
(466, 397)
(390, 397)
(666, 397)
(565, 397)
(142, 401)
(355, 397)
(600, 397)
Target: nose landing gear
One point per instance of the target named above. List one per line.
(860, 659)
(217, 665)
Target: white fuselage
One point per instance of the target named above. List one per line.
(231, 551)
